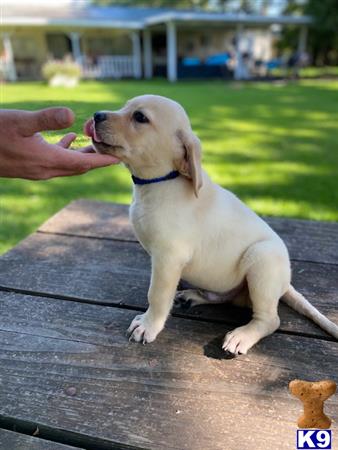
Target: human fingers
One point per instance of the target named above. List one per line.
(87, 149)
(96, 160)
(31, 122)
(66, 140)
(77, 161)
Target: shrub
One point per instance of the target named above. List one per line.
(66, 68)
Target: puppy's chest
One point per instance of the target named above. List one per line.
(145, 224)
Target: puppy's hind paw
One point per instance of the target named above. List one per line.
(188, 299)
(238, 341)
(182, 302)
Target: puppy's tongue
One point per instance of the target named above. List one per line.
(89, 130)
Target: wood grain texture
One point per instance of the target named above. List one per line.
(9, 440)
(118, 273)
(306, 240)
(92, 219)
(172, 394)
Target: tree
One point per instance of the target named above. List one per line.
(323, 33)
(323, 37)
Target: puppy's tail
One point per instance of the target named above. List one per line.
(299, 303)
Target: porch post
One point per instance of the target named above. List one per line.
(171, 52)
(137, 68)
(238, 73)
(11, 71)
(76, 48)
(302, 39)
(147, 54)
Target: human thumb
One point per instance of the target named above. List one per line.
(30, 122)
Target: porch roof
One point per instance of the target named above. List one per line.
(119, 17)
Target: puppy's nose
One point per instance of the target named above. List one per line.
(100, 116)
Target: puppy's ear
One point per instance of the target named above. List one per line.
(190, 165)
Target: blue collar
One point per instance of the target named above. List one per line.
(169, 176)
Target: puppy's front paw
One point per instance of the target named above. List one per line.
(142, 329)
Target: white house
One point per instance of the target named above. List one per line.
(131, 42)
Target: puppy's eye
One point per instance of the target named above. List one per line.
(139, 117)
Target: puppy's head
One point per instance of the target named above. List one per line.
(151, 135)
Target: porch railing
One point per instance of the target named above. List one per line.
(7, 71)
(109, 67)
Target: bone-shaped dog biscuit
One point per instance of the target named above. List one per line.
(313, 396)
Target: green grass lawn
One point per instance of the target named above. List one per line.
(275, 146)
(309, 72)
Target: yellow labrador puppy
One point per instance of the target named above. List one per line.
(192, 228)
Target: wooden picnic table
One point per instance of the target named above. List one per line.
(70, 378)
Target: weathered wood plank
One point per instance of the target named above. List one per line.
(117, 273)
(70, 366)
(92, 219)
(306, 240)
(9, 440)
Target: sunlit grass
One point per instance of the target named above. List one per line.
(274, 145)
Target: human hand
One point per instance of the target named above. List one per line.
(24, 153)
